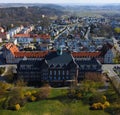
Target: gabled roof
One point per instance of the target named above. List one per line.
(22, 36)
(49, 55)
(54, 58)
(12, 48)
(29, 54)
(105, 48)
(42, 36)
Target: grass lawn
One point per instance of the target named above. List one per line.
(57, 104)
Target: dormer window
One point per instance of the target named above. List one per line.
(58, 66)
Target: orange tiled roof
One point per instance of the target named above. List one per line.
(16, 53)
(13, 48)
(86, 54)
(29, 54)
(22, 35)
(36, 54)
(42, 36)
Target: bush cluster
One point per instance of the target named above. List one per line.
(113, 109)
(100, 106)
(17, 97)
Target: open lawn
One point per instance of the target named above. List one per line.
(57, 104)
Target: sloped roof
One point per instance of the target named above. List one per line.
(30, 54)
(54, 58)
(22, 35)
(13, 48)
(42, 36)
(105, 48)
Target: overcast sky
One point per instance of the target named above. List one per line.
(60, 1)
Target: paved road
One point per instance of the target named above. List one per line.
(116, 44)
(109, 68)
(115, 79)
(87, 33)
(7, 67)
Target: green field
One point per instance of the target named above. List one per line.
(57, 104)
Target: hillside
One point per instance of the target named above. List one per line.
(19, 15)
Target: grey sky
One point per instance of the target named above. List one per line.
(60, 1)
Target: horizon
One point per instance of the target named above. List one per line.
(61, 2)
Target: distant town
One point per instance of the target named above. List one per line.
(64, 51)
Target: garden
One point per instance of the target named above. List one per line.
(85, 99)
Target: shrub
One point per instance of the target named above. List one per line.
(97, 106)
(28, 93)
(17, 107)
(20, 82)
(97, 98)
(1, 102)
(43, 93)
(18, 92)
(100, 106)
(106, 104)
(33, 92)
(4, 86)
(32, 98)
(113, 109)
(71, 93)
(112, 96)
(2, 69)
(79, 96)
(10, 102)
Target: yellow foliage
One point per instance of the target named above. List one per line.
(28, 93)
(117, 30)
(104, 97)
(97, 106)
(102, 106)
(106, 104)
(34, 91)
(17, 107)
(32, 98)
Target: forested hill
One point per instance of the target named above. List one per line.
(27, 14)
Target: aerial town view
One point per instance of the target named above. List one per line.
(59, 57)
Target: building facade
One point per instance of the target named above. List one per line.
(57, 68)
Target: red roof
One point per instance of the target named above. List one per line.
(15, 51)
(29, 54)
(42, 36)
(36, 54)
(13, 48)
(22, 35)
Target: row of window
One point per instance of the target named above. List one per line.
(59, 78)
(59, 72)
